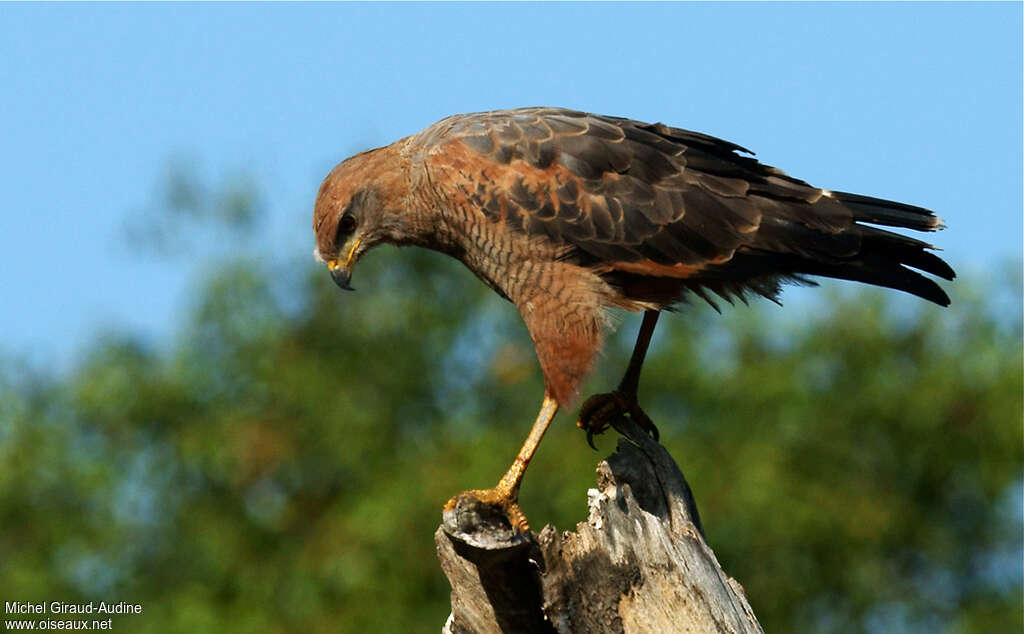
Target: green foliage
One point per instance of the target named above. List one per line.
(281, 466)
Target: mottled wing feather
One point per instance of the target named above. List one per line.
(648, 199)
(620, 190)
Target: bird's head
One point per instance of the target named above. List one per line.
(354, 213)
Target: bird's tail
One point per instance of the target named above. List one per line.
(884, 258)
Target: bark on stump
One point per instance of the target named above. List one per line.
(640, 562)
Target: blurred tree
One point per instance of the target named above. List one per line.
(282, 465)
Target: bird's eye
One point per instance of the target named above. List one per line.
(346, 225)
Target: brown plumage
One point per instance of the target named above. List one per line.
(567, 214)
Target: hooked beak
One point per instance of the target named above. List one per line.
(340, 274)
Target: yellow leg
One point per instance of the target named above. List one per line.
(506, 493)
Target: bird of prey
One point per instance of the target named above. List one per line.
(568, 214)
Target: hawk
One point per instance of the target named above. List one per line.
(568, 214)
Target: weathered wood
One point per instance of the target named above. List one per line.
(638, 564)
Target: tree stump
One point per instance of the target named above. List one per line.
(639, 563)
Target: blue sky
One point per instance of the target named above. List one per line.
(916, 102)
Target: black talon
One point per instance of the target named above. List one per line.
(648, 427)
(606, 408)
(590, 439)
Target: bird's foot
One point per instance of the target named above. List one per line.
(491, 506)
(600, 411)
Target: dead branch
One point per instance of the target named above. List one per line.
(639, 563)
